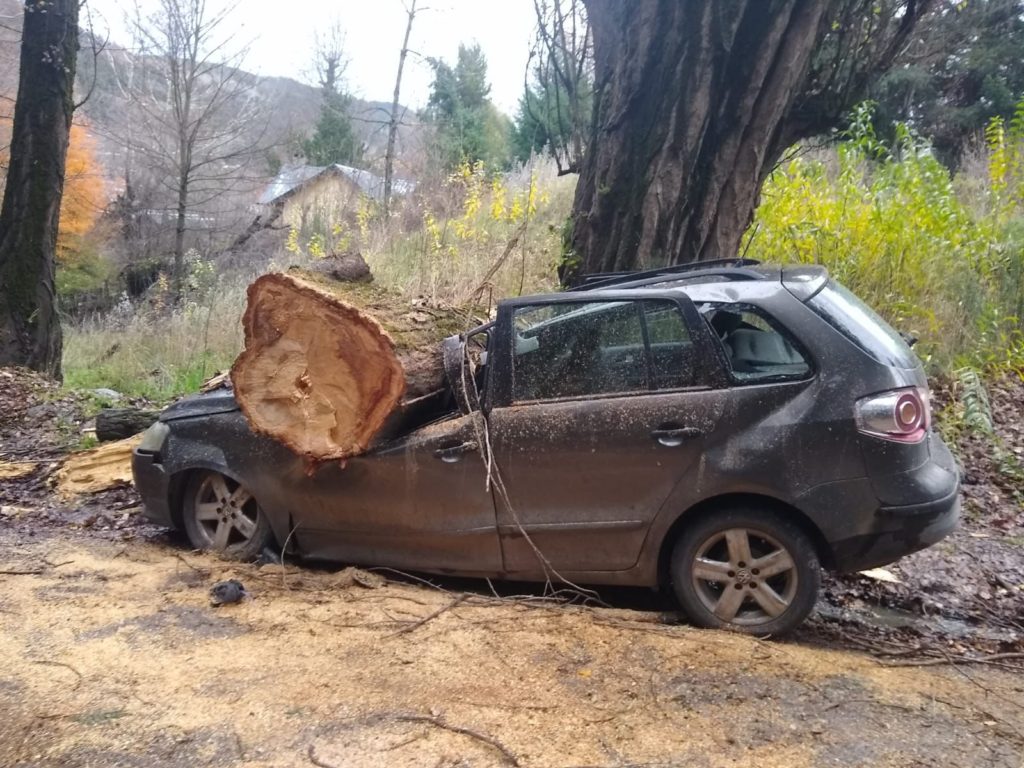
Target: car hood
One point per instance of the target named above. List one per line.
(207, 404)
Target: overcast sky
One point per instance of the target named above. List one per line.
(282, 33)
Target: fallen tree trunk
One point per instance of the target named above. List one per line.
(326, 363)
(119, 423)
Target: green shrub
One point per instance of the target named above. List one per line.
(939, 262)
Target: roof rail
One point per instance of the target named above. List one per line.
(718, 267)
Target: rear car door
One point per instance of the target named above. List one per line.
(598, 410)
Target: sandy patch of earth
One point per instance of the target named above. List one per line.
(111, 655)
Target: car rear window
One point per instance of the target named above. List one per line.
(861, 325)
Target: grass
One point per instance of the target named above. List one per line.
(157, 352)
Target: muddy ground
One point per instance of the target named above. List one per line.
(111, 654)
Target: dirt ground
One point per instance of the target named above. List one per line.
(111, 654)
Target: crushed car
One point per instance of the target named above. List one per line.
(722, 430)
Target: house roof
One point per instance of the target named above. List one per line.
(293, 178)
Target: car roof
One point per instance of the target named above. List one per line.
(734, 281)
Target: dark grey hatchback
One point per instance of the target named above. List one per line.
(720, 429)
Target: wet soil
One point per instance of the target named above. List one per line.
(111, 654)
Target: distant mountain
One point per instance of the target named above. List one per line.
(292, 107)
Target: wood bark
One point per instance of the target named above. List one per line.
(326, 363)
(30, 333)
(119, 423)
(696, 101)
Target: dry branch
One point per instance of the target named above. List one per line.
(417, 624)
(444, 724)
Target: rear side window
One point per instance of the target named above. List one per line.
(861, 325)
(758, 349)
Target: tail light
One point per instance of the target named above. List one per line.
(902, 415)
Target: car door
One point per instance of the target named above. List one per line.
(421, 501)
(606, 409)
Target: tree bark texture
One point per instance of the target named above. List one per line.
(119, 423)
(695, 102)
(326, 363)
(30, 333)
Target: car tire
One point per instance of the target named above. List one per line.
(746, 569)
(221, 515)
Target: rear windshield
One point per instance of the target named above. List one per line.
(859, 323)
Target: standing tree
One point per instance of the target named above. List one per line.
(200, 121)
(964, 67)
(469, 126)
(696, 101)
(556, 108)
(394, 119)
(333, 140)
(30, 332)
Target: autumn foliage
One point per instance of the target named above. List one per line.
(84, 196)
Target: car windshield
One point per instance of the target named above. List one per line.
(861, 325)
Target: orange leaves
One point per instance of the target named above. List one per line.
(84, 196)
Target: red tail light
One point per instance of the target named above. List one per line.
(902, 415)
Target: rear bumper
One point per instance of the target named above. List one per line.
(875, 520)
(152, 484)
(899, 531)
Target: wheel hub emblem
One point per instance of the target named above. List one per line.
(743, 576)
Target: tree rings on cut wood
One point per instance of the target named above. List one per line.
(317, 373)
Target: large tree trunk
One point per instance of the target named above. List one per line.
(30, 332)
(327, 363)
(695, 103)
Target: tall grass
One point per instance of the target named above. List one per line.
(474, 238)
(472, 234)
(155, 350)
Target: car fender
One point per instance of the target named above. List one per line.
(193, 455)
(675, 511)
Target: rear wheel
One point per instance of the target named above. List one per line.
(221, 515)
(748, 570)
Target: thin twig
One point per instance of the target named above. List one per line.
(935, 662)
(417, 624)
(311, 754)
(62, 664)
(29, 572)
(444, 724)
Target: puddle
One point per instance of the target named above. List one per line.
(897, 618)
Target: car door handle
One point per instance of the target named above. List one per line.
(674, 437)
(453, 453)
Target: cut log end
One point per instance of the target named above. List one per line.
(317, 373)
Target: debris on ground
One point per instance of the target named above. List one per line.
(97, 469)
(227, 592)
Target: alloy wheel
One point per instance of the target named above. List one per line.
(744, 576)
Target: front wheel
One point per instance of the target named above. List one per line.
(222, 515)
(746, 569)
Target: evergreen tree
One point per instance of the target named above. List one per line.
(965, 67)
(469, 126)
(333, 140)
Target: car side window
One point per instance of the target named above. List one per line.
(757, 348)
(593, 348)
(578, 349)
(672, 357)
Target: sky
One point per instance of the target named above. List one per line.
(282, 34)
